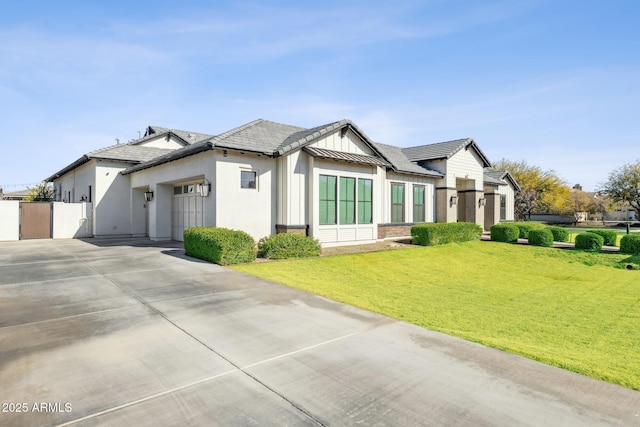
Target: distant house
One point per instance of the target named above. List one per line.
(15, 195)
(331, 182)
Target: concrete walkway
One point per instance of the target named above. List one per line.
(132, 332)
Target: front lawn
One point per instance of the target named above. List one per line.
(565, 308)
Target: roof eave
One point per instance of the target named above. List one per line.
(81, 161)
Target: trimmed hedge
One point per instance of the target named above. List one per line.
(440, 233)
(507, 233)
(541, 237)
(287, 245)
(589, 242)
(630, 244)
(219, 245)
(610, 237)
(525, 227)
(559, 234)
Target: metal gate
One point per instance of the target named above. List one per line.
(35, 220)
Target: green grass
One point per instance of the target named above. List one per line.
(569, 309)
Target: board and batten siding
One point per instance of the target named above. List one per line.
(465, 164)
(350, 143)
(293, 172)
(507, 190)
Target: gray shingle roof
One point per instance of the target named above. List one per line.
(401, 163)
(187, 136)
(126, 153)
(502, 177)
(443, 150)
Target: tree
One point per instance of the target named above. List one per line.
(41, 193)
(540, 191)
(582, 202)
(624, 186)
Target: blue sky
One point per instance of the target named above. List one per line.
(554, 83)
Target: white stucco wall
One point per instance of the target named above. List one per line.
(251, 210)
(112, 200)
(9, 220)
(72, 220)
(161, 180)
(77, 182)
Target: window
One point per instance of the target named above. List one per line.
(503, 207)
(365, 203)
(187, 189)
(327, 199)
(418, 203)
(347, 200)
(247, 179)
(89, 194)
(177, 190)
(397, 202)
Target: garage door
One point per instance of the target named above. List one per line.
(187, 210)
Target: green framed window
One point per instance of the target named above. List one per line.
(365, 201)
(327, 214)
(347, 200)
(418, 203)
(503, 207)
(397, 202)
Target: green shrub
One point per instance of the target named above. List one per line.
(525, 227)
(286, 245)
(219, 245)
(440, 233)
(507, 233)
(589, 242)
(541, 237)
(559, 234)
(630, 244)
(610, 236)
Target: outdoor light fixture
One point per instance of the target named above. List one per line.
(454, 200)
(482, 201)
(148, 196)
(224, 153)
(204, 188)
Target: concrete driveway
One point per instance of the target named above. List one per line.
(132, 332)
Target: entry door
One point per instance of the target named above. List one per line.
(187, 210)
(35, 220)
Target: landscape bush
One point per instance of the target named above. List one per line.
(507, 233)
(610, 237)
(525, 227)
(287, 245)
(589, 242)
(559, 234)
(630, 244)
(440, 233)
(219, 245)
(541, 237)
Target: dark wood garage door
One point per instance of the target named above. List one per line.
(35, 220)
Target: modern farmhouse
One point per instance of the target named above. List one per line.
(331, 182)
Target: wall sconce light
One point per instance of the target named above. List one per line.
(224, 153)
(205, 188)
(148, 196)
(453, 200)
(482, 202)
